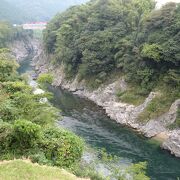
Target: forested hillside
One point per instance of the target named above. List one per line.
(130, 38)
(35, 10)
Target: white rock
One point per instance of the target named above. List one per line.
(38, 91)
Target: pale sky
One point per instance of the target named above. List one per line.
(161, 2)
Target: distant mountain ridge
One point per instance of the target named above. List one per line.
(9, 13)
(19, 11)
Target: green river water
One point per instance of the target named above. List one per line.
(90, 122)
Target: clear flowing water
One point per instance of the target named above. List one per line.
(90, 122)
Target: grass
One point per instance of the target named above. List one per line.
(132, 96)
(159, 105)
(176, 124)
(25, 170)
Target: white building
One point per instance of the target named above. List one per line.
(36, 25)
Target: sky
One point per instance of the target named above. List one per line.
(161, 2)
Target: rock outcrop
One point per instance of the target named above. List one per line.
(21, 49)
(172, 144)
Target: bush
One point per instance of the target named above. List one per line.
(135, 96)
(62, 147)
(6, 131)
(159, 105)
(52, 146)
(152, 51)
(26, 134)
(12, 87)
(45, 78)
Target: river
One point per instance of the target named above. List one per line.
(89, 121)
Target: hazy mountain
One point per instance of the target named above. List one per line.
(36, 10)
(8, 12)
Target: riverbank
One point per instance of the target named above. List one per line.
(123, 113)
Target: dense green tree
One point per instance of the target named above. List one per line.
(27, 124)
(104, 38)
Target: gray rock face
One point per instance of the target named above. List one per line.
(123, 113)
(21, 49)
(173, 143)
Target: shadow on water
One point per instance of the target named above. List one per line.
(25, 65)
(90, 122)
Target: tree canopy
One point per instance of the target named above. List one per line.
(104, 36)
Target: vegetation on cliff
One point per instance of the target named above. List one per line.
(106, 37)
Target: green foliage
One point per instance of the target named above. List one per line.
(152, 51)
(172, 78)
(24, 122)
(7, 68)
(95, 44)
(101, 37)
(6, 33)
(177, 122)
(6, 131)
(26, 134)
(61, 146)
(45, 78)
(131, 96)
(95, 40)
(159, 105)
(52, 146)
(137, 171)
(17, 86)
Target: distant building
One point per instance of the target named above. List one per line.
(35, 25)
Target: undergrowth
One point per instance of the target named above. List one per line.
(134, 95)
(160, 105)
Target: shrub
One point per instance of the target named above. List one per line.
(45, 78)
(6, 131)
(135, 96)
(26, 134)
(152, 51)
(12, 87)
(62, 147)
(159, 105)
